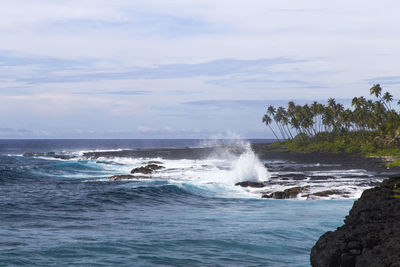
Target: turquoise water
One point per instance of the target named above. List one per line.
(62, 213)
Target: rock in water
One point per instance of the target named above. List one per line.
(287, 193)
(64, 156)
(147, 169)
(154, 167)
(370, 235)
(142, 170)
(250, 184)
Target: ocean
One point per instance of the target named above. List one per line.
(61, 209)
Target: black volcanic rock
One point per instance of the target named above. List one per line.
(154, 167)
(147, 169)
(250, 184)
(142, 170)
(370, 235)
(63, 157)
(287, 193)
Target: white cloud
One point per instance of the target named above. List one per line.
(98, 64)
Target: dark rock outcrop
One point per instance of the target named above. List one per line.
(147, 169)
(293, 176)
(154, 167)
(63, 156)
(250, 184)
(287, 193)
(370, 235)
(142, 170)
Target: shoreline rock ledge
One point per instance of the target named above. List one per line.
(370, 235)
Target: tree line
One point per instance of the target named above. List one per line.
(376, 119)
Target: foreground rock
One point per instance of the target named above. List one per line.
(370, 235)
(149, 168)
(287, 193)
(127, 177)
(250, 184)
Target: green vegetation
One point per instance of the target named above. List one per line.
(369, 127)
(394, 163)
(396, 192)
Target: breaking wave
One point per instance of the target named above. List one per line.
(217, 174)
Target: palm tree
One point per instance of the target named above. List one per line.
(278, 120)
(307, 119)
(267, 120)
(379, 113)
(347, 119)
(331, 103)
(376, 90)
(291, 113)
(285, 122)
(373, 121)
(387, 97)
(355, 102)
(362, 101)
(315, 113)
(271, 110)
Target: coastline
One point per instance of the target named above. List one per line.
(265, 151)
(377, 163)
(369, 236)
(292, 174)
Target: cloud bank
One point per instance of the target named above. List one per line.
(184, 69)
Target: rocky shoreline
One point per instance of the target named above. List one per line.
(296, 176)
(345, 160)
(370, 235)
(264, 151)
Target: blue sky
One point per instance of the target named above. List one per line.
(184, 69)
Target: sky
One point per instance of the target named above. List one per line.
(184, 69)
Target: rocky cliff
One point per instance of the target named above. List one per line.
(370, 235)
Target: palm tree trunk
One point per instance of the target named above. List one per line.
(274, 132)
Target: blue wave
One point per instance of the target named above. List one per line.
(69, 169)
(48, 220)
